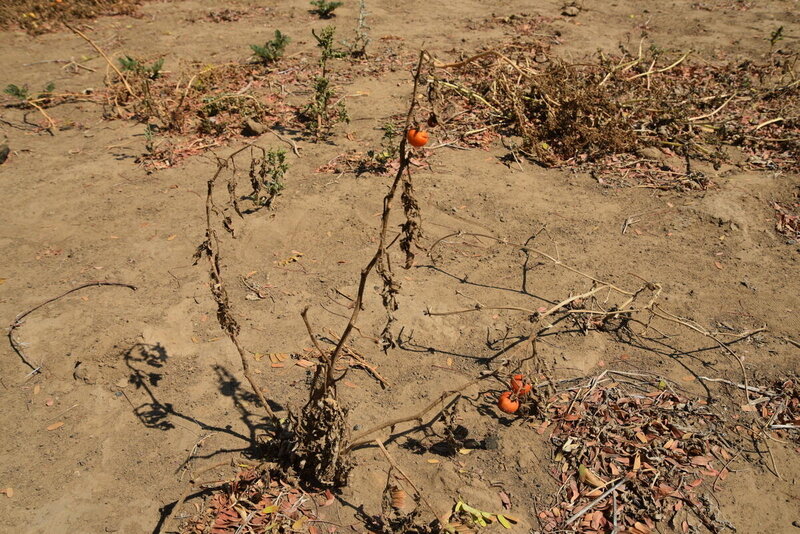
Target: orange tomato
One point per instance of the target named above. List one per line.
(417, 138)
(519, 386)
(508, 404)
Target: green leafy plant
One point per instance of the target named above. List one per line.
(774, 37)
(272, 50)
(321, 112)
(16, 91)
(266, 177)
(149, 139)
(325, 41)
(325, 9)
(36, 101)
(152, 71)
(379, 159)
(23, 94)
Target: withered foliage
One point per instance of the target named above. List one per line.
(321, 435)
(668, 449)
(42, 16)
(258, 500)
(781, 413)
(613, 105)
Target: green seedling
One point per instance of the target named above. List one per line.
(324, 9)
(23, 94)
(152, 71)
(266, 177)
(321, 112)
(272, 50)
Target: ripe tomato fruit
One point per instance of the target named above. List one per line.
(417, 138)
(519, 386)
(508, 404)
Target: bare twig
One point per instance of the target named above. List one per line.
(17, 346)
(379, 253)
(658, 312)
(100, 51)
(358, 441)
(592, 504)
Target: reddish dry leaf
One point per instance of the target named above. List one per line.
(597, 520)
(505, 499)
(701, 460)
(55, 425)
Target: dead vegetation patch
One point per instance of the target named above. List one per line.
(42, 16)
(591, 114)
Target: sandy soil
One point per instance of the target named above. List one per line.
(77, 208)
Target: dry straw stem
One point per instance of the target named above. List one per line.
(361, 362)
(358, 440)
(100, 51)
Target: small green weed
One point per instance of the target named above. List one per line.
(379, 159)
(135, 66)
(272, 50)
(266, 177)
(325, 9)
(23, 94)
(321, 113)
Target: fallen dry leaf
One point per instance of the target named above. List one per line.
(173, 236)
(277, 357)
(505, 499)
(718, 265)
(55, 426)
(8, 491)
